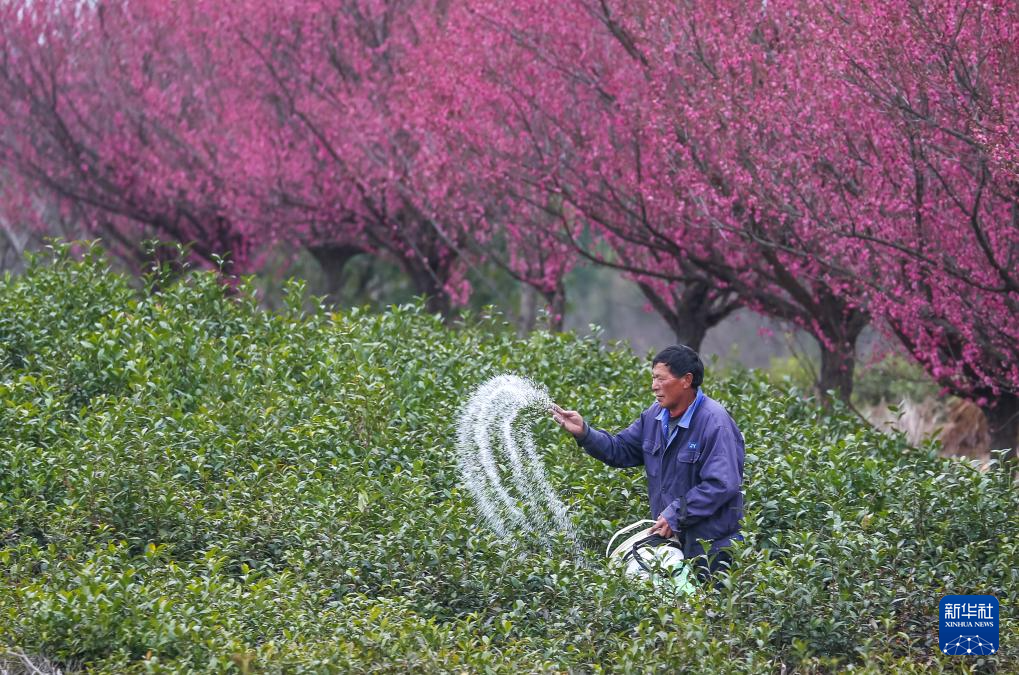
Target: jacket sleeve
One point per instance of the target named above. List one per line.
(719, 481)
(619, 450)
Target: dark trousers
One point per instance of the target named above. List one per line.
(705, 567)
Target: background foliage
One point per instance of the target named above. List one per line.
(190, 483)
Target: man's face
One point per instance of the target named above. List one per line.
(671, 391)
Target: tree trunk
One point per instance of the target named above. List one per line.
(428, 283)
(842, 325)
(527, 313)
(688, 330)
(556, 309)
(696, 308)
(838, 363)
(1003, 423)
(837, 368)
(15, 244)
(333, 259)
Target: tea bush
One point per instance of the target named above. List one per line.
(188, 483)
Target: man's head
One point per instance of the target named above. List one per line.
(681, 360)
(676, 373)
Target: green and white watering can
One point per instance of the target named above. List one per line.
(651, 556)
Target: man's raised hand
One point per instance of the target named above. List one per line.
(568, 419)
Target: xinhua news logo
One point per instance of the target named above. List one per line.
(969, 625)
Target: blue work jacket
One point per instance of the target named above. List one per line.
(694, 477)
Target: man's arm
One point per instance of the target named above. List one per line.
(619, 450)
(720, 481)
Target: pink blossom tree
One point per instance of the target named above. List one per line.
(232, 127)
(508, 224)
(739, 115)
(506, 90)
(237, 126)
(651, 121)
(935, 227)
(866, 167)
(106, 115)
(334, 74)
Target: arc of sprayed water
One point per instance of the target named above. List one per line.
(477, 462)
(536, 469)
(518, 470)
(492, 410)
(476, 485)
(473, 477)
(528, 470)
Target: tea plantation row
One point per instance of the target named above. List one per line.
(191, 484)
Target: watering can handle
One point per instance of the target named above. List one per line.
(626, 530)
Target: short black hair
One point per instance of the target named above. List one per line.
(681, 360)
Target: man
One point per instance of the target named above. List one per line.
(692, 453)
